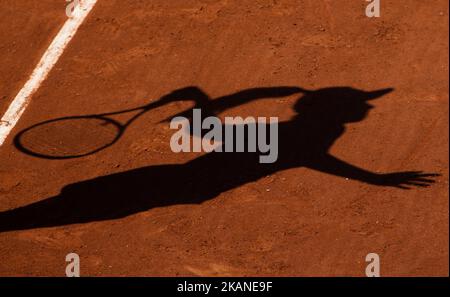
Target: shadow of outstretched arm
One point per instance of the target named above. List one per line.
(402, 180)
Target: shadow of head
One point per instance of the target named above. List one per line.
(338, 104)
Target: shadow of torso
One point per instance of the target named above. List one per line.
(201, 179)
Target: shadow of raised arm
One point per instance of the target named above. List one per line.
(210, 107)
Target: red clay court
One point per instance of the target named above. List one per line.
(137, 208)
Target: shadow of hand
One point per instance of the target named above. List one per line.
(406, 180)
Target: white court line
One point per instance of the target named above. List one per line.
(45, 65)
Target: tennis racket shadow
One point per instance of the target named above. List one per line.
(80, 136)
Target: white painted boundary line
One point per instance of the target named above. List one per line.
(45, 65)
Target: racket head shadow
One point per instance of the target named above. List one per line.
(68, 137)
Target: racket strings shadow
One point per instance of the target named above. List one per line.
(304, 141)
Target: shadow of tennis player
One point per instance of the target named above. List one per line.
(304, 141)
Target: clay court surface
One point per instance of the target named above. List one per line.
(293, 222)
